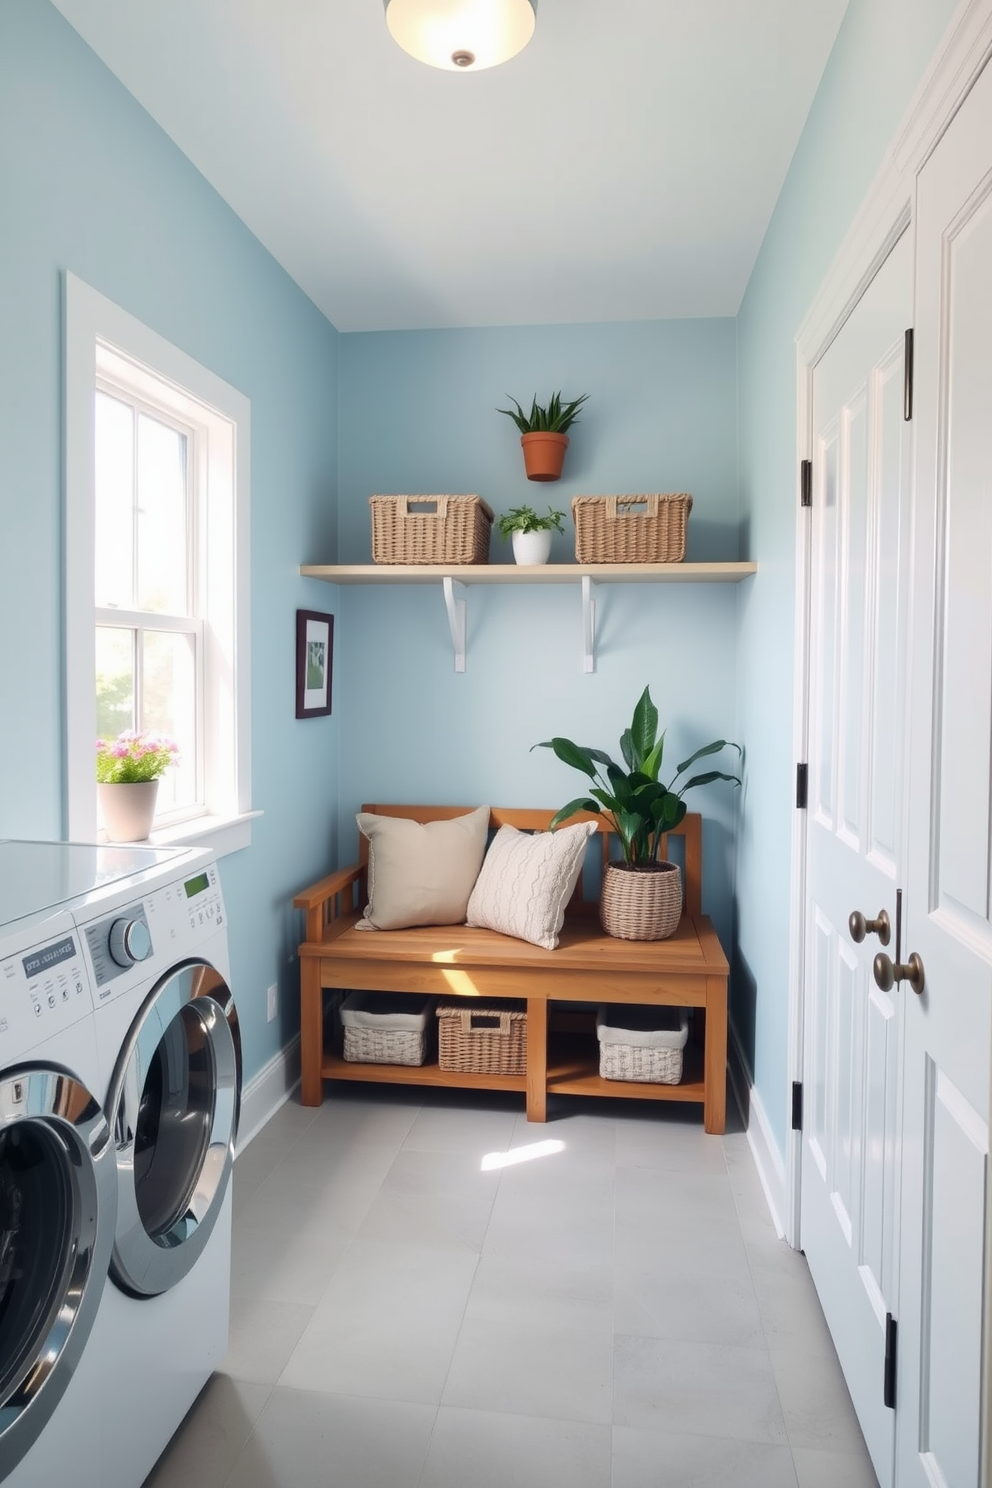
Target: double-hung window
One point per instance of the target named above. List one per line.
(156, 569)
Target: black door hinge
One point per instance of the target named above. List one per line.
(889, 1376)
(797, 1105)
(806, 483)
(907, 377)
(802, 786)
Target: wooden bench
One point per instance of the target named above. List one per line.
(589, 966)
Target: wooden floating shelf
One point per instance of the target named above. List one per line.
(512, 573)
(455, 579)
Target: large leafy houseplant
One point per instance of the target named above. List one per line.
(642, 897)
(543, 434)
(639, 807)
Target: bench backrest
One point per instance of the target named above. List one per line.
(526, 819)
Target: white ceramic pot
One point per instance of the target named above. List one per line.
(532, 548)
(128, 809)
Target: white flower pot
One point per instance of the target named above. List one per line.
(128, 809)
(532, 548)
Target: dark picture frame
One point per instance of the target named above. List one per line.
(314, 663)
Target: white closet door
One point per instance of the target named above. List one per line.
(947, 920)
(860, 553)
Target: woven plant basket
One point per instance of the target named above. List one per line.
(430, 529)
(631, 529)
(642, 902)
(482, 1040)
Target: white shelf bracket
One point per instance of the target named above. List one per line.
(588, 626)
(456, 605)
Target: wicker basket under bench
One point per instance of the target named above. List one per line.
(458, 961)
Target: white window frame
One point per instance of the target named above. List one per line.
(105, 343)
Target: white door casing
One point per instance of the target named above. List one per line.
(859, 551)
(948, 921)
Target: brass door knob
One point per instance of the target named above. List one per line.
(887, 973)
(860, 927)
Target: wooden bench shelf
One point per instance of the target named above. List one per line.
(458, 961)
(574, 1073)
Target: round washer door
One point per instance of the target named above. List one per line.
(58, 1206)
(173, 1106)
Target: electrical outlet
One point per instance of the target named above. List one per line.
(272, 1001)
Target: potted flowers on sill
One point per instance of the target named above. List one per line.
(641, 896)
(543, 436)
(530, 533)
(128, 771)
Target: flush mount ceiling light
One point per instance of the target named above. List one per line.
(461, 35)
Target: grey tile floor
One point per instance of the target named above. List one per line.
(615, 1314)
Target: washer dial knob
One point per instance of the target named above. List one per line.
(129, 941)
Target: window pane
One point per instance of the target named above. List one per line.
(169, 707)
(114, 472)
(114, 681)
(162, 585)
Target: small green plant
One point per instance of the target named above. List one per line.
(635, 803)
(526, 519)
(134, 757)
(554, 419)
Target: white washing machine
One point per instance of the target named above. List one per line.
(58, 1178)
(169, 1054)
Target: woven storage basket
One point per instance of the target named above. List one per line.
(430, 529)
(631, 529)
(641, 903)
(489, 1040)
(384, 1029)
(642, 1044)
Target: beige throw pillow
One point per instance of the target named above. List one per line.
(527, 880)
(421, 873)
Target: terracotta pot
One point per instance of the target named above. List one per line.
(641, 901)
(128, 809)
(544, 455)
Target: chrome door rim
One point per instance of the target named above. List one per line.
(77, 1129)
(141, 1264)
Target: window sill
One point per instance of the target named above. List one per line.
(224, 834)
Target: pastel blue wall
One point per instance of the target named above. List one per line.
(417, 414)
(879, 58)
(90, 184)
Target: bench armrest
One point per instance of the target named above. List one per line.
(321, 901)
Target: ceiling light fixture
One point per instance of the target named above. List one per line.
(461, 35)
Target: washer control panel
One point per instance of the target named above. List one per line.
(43, 989)
(139, 939)
(203, 900)
(118, 942)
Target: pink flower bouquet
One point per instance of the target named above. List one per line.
(134, 757)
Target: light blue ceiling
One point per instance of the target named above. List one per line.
(624, 166)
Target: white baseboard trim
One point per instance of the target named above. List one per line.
(268, 1090)
(760, 1137)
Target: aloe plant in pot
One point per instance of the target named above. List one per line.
(641, 896)
(543, 435)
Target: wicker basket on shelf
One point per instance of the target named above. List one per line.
(489, 1040)
(631, 529)
(385, 1028)
(430, 529)
(644, 1045)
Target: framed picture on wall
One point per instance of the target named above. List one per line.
(314, 663)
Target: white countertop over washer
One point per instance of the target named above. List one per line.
(40, 877)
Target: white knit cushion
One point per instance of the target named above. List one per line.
(527, 880)
(421, 873)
